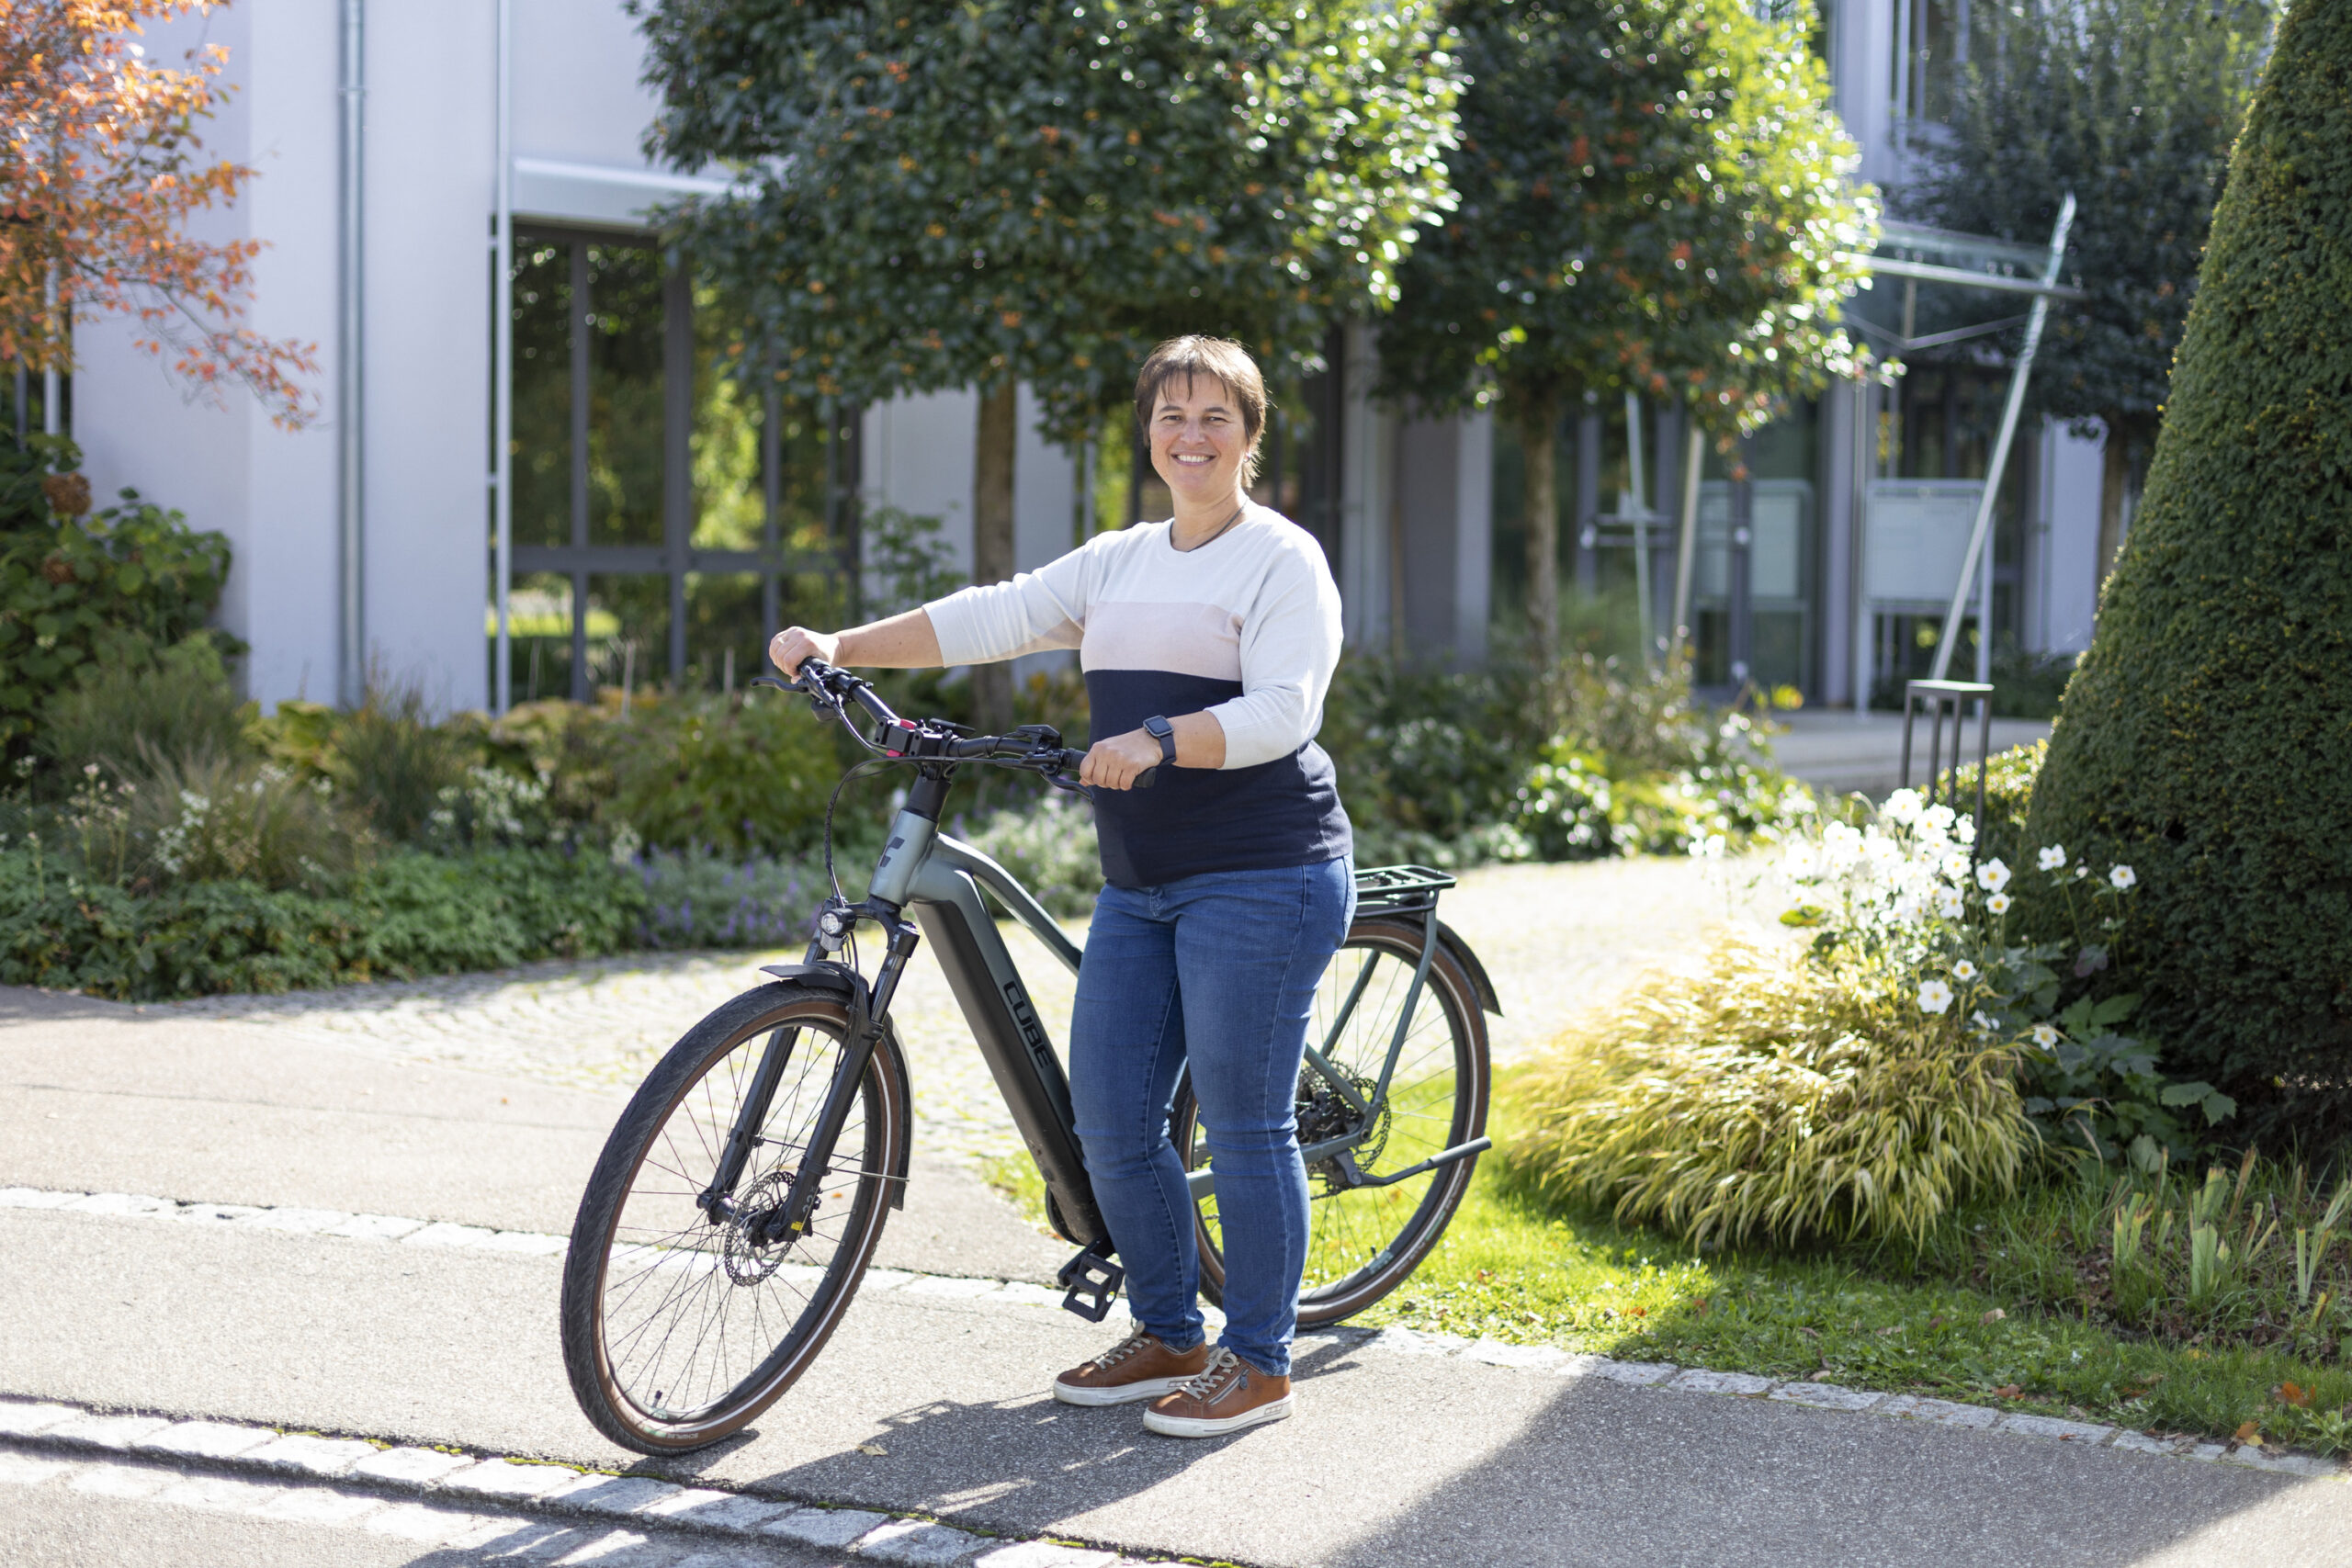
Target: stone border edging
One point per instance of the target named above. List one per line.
(1541, 1359)
(437, 1498)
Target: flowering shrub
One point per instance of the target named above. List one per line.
(1904, 891)
(699, 897)
(1581, 761)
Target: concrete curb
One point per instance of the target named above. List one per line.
(1537, 1360)
(440, 1498)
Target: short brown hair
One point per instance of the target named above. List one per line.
(1225, 360)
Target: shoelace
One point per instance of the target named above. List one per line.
(1121, 1351)
(1204, 1384)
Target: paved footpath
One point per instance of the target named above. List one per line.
(281, 1224)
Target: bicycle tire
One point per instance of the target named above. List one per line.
(639, 1227)
(1424, 1205)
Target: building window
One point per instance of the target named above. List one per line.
(667, 518)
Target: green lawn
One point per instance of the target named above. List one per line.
(1956, 1321)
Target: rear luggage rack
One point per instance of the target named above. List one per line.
(1399, 889)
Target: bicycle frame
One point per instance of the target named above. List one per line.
(940, 879)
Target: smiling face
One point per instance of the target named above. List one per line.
(1199, 442)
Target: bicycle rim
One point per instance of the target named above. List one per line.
(1366, 1240)
(680, 1330)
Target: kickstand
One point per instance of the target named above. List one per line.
(1093, 1281)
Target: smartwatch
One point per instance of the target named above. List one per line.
(1159, 729)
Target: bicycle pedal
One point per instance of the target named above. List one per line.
(1092, 1282)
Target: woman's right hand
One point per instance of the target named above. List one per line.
(793, 644)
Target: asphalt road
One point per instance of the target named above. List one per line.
(1393, 1459)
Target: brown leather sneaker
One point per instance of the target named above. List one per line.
(1228, 1394)
(1138, 1367)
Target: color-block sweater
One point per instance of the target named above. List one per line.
(1246, 627)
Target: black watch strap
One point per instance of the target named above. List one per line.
(1159, 729)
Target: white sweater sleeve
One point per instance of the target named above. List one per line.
(1290, 645)
(1028, 614)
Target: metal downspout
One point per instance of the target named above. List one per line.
(351, 652)
(501, 475)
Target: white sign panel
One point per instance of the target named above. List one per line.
(1917, 538)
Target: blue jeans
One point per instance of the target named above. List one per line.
(1220, 970)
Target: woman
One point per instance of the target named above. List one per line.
(1208, 642)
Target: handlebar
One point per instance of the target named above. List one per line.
(1034, 747)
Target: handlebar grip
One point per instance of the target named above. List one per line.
(1143, 779)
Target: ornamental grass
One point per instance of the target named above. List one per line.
(1775, 1094)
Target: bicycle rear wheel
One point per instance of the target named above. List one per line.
(1367, 1240)
(678, 1330)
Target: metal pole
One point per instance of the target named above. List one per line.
(351, 674)
(1978, 536)
(502, 362)
(52, 415)
(1985, 614)
(1641, 510)
(1694, 452)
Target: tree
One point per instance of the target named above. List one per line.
(1652, 197)
(2132, 106)
(1003, 191)
(100, 167)
(2206, 740)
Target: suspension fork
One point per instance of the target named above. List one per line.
(792, 1217)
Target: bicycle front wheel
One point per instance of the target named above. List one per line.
(1366, 1240)
(678, 1328)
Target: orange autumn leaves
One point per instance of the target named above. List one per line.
(100, 168)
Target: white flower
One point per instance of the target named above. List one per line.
(1965, 829)
(2123, 876)
(1998, 903)
(1949, 904)
(1902, 806)
(1965, 971)
(1984, 1025)
(2053, 858)
(1938, 817)
(2046, 1037)
(1955, 866)
(1993, 875)
(1935, 997)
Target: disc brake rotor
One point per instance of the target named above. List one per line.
(747, 1262)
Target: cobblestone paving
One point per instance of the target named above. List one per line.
(1557, 940)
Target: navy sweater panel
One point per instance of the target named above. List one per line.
(1196, 821)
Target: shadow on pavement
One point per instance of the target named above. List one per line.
(1021, 1465)
(1605, 1475)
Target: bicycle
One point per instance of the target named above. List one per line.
(741, 1196)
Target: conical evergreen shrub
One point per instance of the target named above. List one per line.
(2206, 742)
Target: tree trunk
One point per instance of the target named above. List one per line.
(992, 541)
(1537, 415)
(2115, 484)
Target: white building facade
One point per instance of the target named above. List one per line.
(663, 523)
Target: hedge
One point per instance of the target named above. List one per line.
(411, 915)
(2207, 738)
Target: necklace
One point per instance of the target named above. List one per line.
(1213, 538)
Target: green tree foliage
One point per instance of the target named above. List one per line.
(1003, 191)
(2207, 740)
(1652, 197)
(950, 195)
(2131, 105)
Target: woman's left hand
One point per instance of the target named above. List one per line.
(1117, 762)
